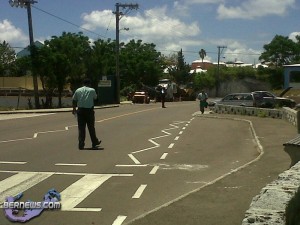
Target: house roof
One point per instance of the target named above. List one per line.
(26, 51)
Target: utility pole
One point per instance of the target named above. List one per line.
(220, 48)
(118, 18)
(27, 5)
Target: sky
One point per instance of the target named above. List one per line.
(239, 27)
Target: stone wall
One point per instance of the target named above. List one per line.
(268, 208)
(282, 113)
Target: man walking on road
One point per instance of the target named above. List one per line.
(202, 96)
(83, 98)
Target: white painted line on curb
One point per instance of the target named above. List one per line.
(134, 159)
(171, 145)
(70, 164)
(154, 170)
(119, 220)
(6, 162)
(139, 191)
(164, 156)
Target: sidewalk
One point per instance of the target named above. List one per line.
(226, 201)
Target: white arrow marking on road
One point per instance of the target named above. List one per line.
(139, 191)
(78, 191)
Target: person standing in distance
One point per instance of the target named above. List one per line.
(202, 96)
(163, 97)
(83, 100)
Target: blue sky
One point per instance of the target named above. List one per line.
(243, 26)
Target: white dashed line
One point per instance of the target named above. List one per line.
(70, 164)
(176, 139)
(183, 128)
(139, 191)
(6, 162)
(180, 132)
(164, 156)
(154, 170)
(119, 220)
(171, 145)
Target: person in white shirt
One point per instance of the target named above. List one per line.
(83, 99)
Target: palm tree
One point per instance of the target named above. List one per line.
(202, 54)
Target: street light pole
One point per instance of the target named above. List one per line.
(118, 17)
(27, 5)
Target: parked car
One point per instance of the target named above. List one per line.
(266, 99)
(240, 99)
(141, 97)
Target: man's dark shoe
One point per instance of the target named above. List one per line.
(81, 147)
(96, 144)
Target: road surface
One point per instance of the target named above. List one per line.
(149, 158)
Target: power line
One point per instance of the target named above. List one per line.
(73, 24)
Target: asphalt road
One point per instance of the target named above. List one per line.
(149, 158)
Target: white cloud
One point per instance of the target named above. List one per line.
(293, 35)
(152, 26)
(12, 35)
(98, 19)
(251, 9)
(203, 1)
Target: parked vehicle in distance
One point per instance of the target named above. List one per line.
(141, 97)
(266, 99)
(240, 99)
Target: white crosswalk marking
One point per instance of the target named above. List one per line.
(20, 182)
(79, 190)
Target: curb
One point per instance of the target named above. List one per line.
(52, 110)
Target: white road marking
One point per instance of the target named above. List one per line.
(70, 164)
(171, 145)
(180, 132)
(164, 156)
(72, 174)
(154, 170)
(20, 182)
(139, 191)
(119, 220)
(187, 125)
(176, 138)
(134, 159)
(183, 128)
(7, 162)
(78, 191)
(134, 165)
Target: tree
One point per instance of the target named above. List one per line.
(180, 72)
(140, 64)
(202, 54)
(7, 58)
(281, 51)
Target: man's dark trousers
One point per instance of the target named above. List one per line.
(86, 117)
